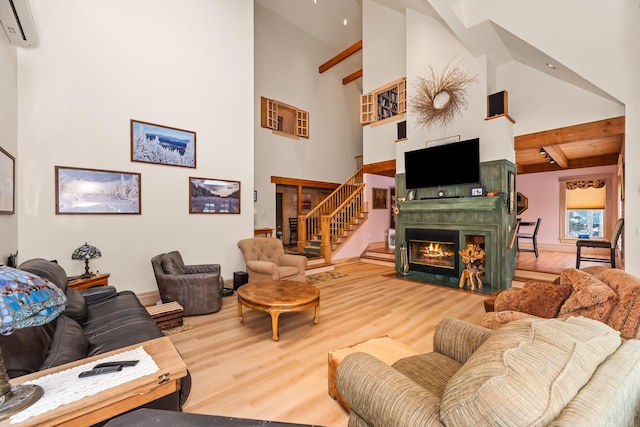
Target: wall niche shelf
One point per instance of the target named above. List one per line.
(284, 119)
(385, 104)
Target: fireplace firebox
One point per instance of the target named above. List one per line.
(433, 251)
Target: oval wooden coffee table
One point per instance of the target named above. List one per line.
(277, 296)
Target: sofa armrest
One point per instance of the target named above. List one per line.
(98, 293)
(202, 268)
(381, 395)
(497, 319)
(458, 339)
(290, 260)
(262, 267)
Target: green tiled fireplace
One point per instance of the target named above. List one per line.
(476, 219)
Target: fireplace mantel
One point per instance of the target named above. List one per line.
(470, 216)
(478, 204)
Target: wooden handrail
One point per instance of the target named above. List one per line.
(312, 224)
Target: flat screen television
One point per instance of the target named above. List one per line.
(450, 164)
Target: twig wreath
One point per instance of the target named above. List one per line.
(440, 97)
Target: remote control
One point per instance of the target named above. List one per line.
(99, 371)
(123, 363)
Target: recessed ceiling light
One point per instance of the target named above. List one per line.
(344, 22)
(315, 1)
(550, 65)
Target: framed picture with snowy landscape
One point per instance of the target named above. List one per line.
(95, 191)
(214, 196)
(151, 143)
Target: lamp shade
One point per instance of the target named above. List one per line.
(86, 251)
(27, 300)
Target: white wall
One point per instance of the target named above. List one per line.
(186, 64)
(286, 63)
(383, 61)
(539, 102)
(8, 136)
(430, 44)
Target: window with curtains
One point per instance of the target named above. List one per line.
(584, 207)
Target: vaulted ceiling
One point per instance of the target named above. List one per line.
(591, 144)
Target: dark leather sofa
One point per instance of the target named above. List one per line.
(95, 321)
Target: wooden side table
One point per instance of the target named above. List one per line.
(109, 403)
(268, 232)
(167, 316)
(99, 280)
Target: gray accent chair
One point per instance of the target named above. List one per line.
(266, 260)
(197, 288)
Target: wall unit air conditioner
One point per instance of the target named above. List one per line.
(18, 23)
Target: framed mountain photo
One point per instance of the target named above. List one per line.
(164, 145)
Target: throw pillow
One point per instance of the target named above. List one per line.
(527, 372)
(590, 297)
(536, 298)
(625, 316)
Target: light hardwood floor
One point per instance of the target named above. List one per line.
(239, 371)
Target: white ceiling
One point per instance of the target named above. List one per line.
(323, 20)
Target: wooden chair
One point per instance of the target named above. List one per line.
(293, 229)
(611, 245)
(533, 236)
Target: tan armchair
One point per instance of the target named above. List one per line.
(197, 288)
(266, 260)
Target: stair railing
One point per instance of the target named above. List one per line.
(309, 225)
(334, 225)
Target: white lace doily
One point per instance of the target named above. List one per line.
(65, 387)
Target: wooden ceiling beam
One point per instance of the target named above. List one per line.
(611, 159)
(558, 156)
(385, 168)
(592, 130)
(351, 77)
(589, 162)
(303, 183)
(341, 56)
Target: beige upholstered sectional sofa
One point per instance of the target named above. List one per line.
(572, 371)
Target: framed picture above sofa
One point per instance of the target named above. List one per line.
(97, 191)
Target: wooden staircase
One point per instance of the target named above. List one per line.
(330, 224)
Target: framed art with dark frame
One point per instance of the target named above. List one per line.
(164, 145)
(7, 183)
(511, 200)
(97, 191)
(379, 196)
(213, 196)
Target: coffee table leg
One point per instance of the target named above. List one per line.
(240, 316)
(274, 324)
(316, 317)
